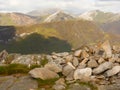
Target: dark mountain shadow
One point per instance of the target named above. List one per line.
(37, 44)
(7, 33)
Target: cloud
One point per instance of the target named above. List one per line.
(79, 5)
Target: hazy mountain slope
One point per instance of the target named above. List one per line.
(97, 16)
(112, 27)
(116, 17)
(16, 19)
(59, 16)
(109, 22)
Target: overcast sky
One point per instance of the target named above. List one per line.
(71, 5)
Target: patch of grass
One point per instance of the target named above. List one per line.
(44, 61)
(16, 68)
(92, 87)
(13, 69)
(34, 66)
(46, 83)
(3, 70)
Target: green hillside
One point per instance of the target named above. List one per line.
(76, 33)
(56, 37)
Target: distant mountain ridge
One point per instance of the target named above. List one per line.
(16, 19)
(97, 16)
(59, 16)
(107, 21)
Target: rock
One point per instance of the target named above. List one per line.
(107, 48)
(59, 84)
(58, 87)
(92, 63)
(54, 56)
(53, 67)
(101, 68)
(61, 54)
(61, 81)
(112, 60)
(69, 58)
(84, 61)
(27, 60)
(59, 60)
(81, 66)
(67, 69)
(69, 63)
(43, 73)
(78, 53)
(21, 83)
(77, 86)
(70, 76)
(101, 60)
(85, 54)
(3, 56)
(80, 73)
(75, 61)
(113, 71)
(49, 58)
(118, 60)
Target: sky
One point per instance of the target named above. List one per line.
(76, 6)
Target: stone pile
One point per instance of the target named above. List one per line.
(99, 64)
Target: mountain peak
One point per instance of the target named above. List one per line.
(59, 16)
(97, 16)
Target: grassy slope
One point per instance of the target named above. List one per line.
(76, 33)
(102, 17)
(57, 36)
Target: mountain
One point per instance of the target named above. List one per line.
(76, 33)
(16, 19)
(115, 18)
(112, 27)
(55, 36)
(97, 16)
(107, 21)
(59, 16)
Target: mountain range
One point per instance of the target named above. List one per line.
(69, 30)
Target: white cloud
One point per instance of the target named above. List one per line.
(82, 5)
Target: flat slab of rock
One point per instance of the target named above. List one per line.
(27, 60)
(101, 68)
(43, 73)
(107, 48)
(53, 67)
(113, 71)
(92, 63)
(68, 69)
(78, 53)
(75, 62)
(21, 83)
(80, 73)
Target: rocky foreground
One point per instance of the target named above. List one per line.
(88, 68)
